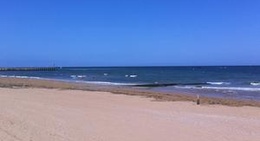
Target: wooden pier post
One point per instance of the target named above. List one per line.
(30, 69)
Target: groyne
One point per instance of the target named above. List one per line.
(29, 68)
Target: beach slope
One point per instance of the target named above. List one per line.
(36, 114)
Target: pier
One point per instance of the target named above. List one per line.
(30, 69)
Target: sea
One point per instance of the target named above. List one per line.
(235, 82)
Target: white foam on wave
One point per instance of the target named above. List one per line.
(255, 83)
(222, 88)
(81, 76)
(218, 83)
(107, 83)
(133, 75)
(78, 76)
(17, 76)
(3, 75)
(233, 88)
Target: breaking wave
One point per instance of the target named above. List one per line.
(255, 83)
(222, 88)
(17, 76)
(218, 83)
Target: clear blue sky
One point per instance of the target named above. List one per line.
(129, 32)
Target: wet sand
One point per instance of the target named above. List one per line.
(38, 114)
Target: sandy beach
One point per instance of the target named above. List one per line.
(37, 114)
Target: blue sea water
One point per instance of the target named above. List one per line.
(241, 82)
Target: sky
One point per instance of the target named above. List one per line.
(129, 32)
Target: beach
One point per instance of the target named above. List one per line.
(37, 113)
(133, 70)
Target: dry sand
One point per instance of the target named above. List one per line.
(36, 114)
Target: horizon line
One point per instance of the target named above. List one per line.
(133, 66)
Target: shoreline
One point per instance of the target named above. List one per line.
(158, 96)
